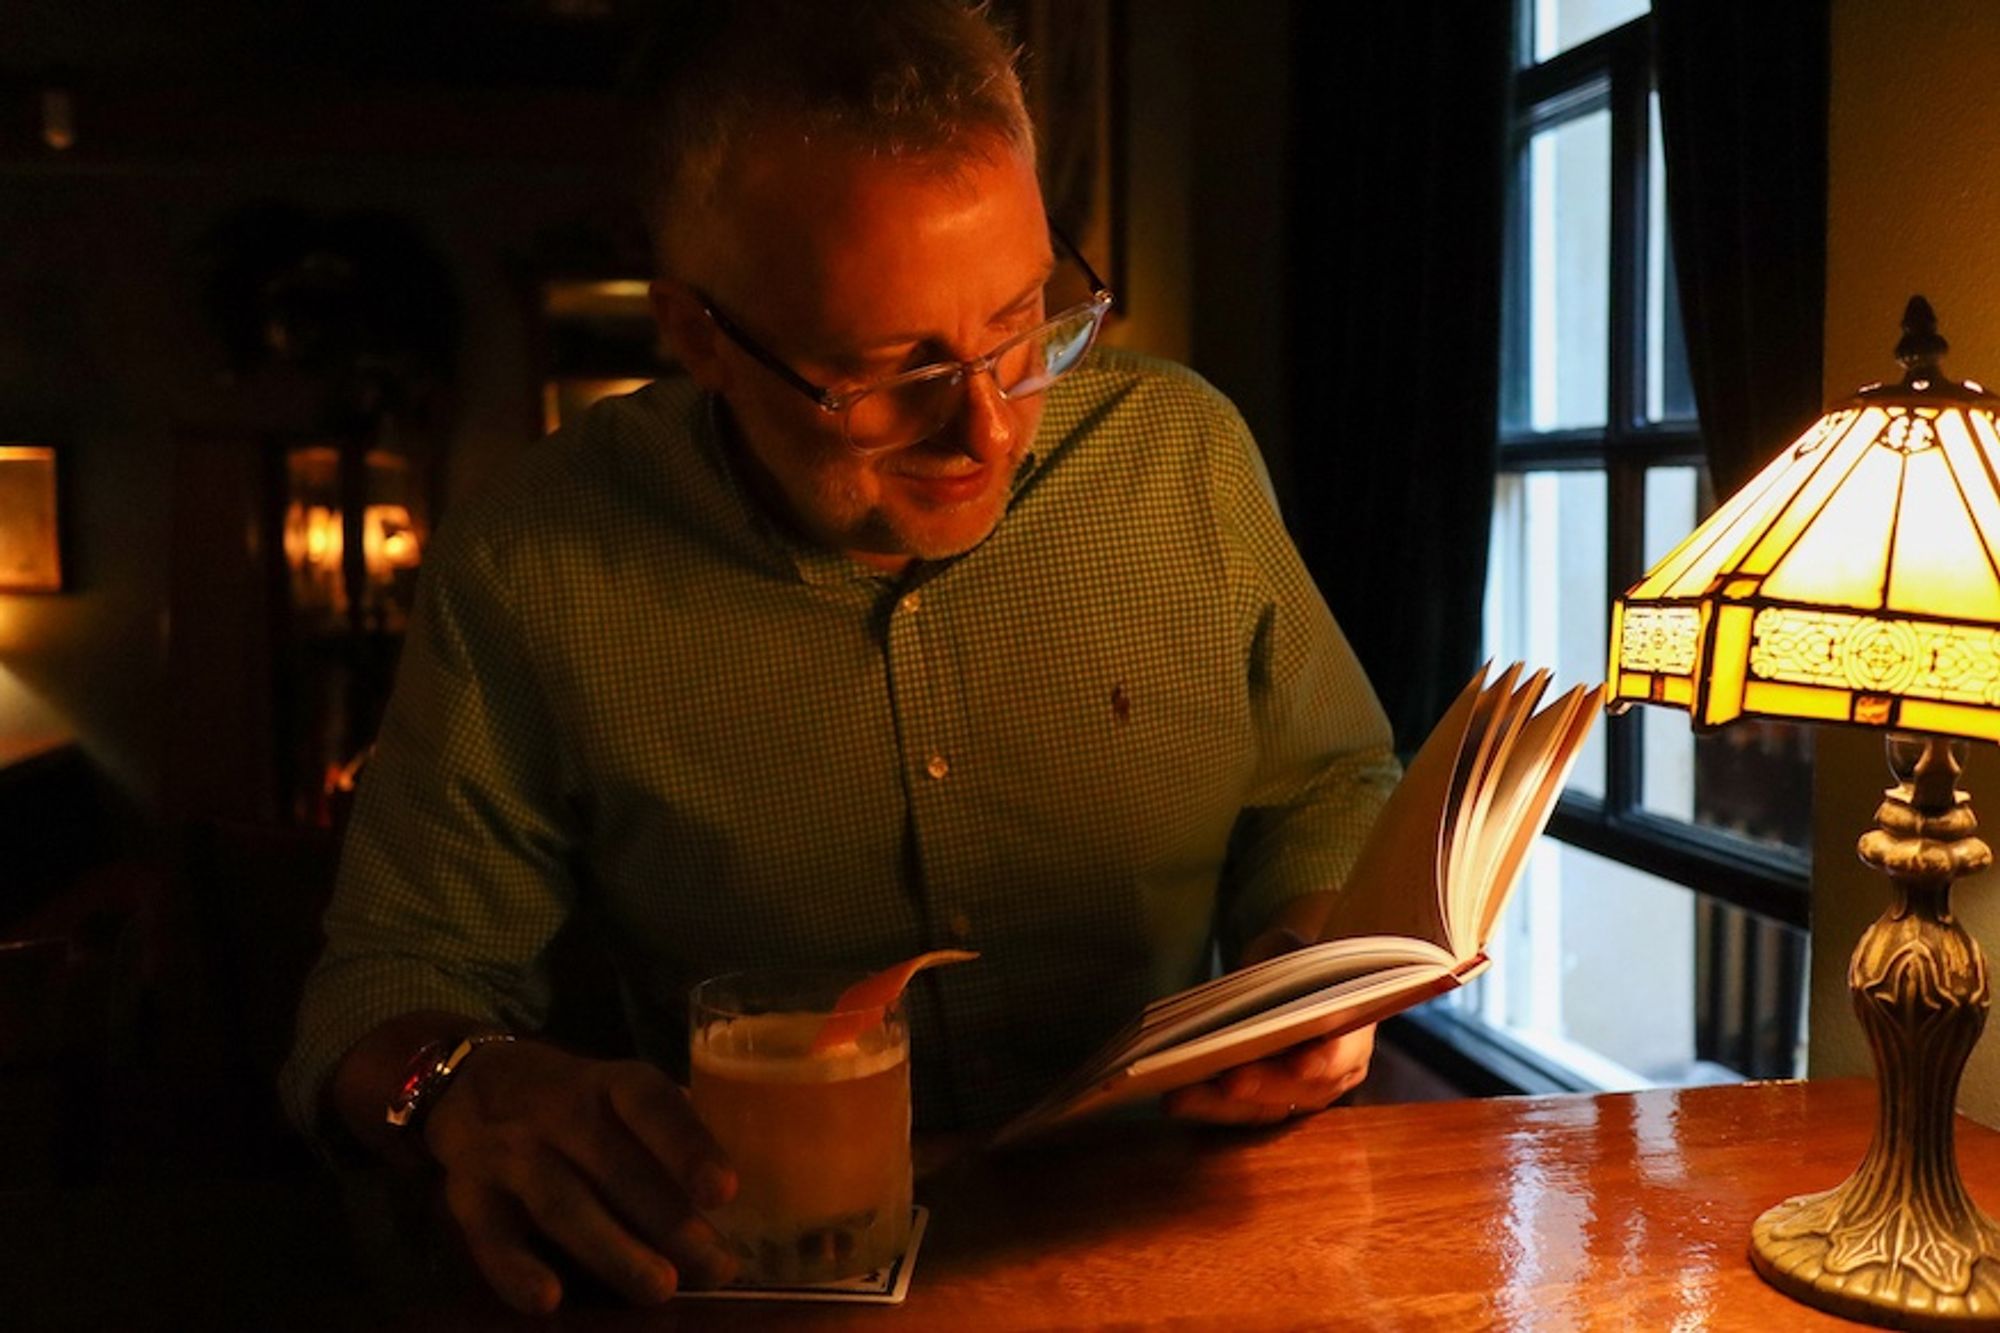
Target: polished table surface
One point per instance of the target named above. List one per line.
(1541, 1213)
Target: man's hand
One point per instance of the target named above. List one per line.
(604, 1159)
(1309, 1077)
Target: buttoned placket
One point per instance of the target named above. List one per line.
(924, 700)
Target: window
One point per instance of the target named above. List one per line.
(1656, 936)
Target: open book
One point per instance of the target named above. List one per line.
(1427, 887)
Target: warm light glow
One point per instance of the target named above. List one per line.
(1938, 558)
(388, 541)
(312, 536)
(1841, 557)
(28, 724)
(1689, 569)
(565, 400)
(315, 545)
(1659, 638)
(315, 539)
(58, 119)
(1726, 676)
(1821, 468)
(1796, 701)
(598, 298)
(1855, 579)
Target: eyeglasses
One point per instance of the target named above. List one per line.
(915, 404)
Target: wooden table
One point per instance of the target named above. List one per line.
(1547, 1213)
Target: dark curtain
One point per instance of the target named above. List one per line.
(1399, 153)
(1743, 110)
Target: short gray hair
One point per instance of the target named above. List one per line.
(894, 78)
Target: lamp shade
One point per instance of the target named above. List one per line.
(1855, 579)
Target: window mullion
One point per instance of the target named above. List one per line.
(1625, 477)
(1626, 380)
(1625, 483)
(1631, 187)
(1515, 314)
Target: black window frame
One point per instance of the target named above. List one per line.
(1614, 71)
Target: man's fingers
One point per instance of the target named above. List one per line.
(646, 1199)
(1209, 1103)
(1334, 1063)
(497, 1239)
(604, 1162)
(659, 1116)
(1306, 1078)
(1322, 1069)
(566, 1210)
(1310, 1063)
(698, 1251)
(1272, 1083)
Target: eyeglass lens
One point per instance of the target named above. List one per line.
(905, 411)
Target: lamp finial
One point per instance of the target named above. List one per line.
(1921, 347)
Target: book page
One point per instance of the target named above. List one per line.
(1548, 750)
(1468, 846)
(1492, 725)
(1397, 884)
(1272, 983)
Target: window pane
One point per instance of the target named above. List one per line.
(1754, 779)
(1545, 591)
(1669, 395)
(1566, 268)
(1723, 992)
(1750, 779)
(1561, 24)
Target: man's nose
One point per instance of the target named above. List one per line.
(984, 427)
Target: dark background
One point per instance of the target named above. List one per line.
(151, 714)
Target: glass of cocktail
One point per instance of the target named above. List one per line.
(818, 1130)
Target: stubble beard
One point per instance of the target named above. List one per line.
(877, 528)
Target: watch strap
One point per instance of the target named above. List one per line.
(430, 1072)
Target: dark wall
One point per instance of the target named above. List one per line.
(106, 351)
(482, 126)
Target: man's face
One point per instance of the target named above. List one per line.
(852, 269)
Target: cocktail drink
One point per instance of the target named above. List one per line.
(820, 1138)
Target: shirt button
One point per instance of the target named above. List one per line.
(961, 927)
(911, 601)
(937, 766)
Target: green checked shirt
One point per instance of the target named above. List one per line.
(1120, 732)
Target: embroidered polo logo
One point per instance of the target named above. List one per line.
(1121, 703)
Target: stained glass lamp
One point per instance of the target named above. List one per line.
(1856, 580)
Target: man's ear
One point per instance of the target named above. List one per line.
(688, 332)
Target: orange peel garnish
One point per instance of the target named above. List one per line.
(862, 1005)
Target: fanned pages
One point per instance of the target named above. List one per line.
(1414, 915)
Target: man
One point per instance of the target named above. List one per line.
(827, 656)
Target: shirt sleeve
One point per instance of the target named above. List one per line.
(1325, 752)
(455, 872)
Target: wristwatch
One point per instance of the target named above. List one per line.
(429, 1073)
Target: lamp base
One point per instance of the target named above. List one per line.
(1805, 1248)
(1900, 1242)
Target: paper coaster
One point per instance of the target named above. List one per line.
(885, 1286)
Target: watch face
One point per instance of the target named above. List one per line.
(424, 1068)
(429, 1070)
